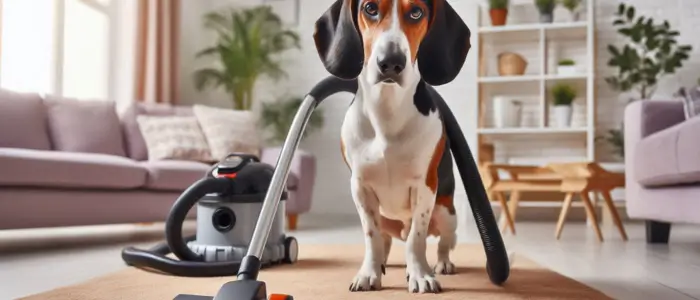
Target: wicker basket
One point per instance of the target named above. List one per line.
(510, 64)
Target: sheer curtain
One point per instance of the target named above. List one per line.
(156, 54)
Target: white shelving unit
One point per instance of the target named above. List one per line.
(542, 45)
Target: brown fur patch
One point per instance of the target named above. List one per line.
(415, 31)
(371, 28)
(432, 179)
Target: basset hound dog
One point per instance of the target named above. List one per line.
(393, 138)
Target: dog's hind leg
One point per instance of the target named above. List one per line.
(421, 278)
(369, 276)
(445, 223)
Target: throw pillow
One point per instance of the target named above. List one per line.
(228, 131)
(174, 137)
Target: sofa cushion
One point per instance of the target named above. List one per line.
(133, 139)
(90, 126)
(56, 169)
(173, 175)
(670, 156)
(23, 121)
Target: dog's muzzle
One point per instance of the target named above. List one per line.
(391, 63)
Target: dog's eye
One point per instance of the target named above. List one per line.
(416, 13)
(371, 9)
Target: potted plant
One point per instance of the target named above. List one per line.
(498, 9)
(546, 9)
(650, 52)
(563, 96)
(567, 67)
(248, 43)
(277, 117)
(572, 6)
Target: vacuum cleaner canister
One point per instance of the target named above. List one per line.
(229, 201)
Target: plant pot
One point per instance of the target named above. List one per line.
(507, 112)
(562, 115)
(498, 16)
(510, 64)
(575, 16)
(567, 70)
(546, 17)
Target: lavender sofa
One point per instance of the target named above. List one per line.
(662, 161)
(67, 162)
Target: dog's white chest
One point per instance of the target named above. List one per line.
(390, 164)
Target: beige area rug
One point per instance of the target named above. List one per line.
(324, 272)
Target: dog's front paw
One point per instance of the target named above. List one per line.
(423, 282)
(367, 279)
(445, 267)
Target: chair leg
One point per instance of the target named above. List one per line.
(564, 212)
(292, 221)
(658, 232)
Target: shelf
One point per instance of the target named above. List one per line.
(535, 26)
(522, 78)
(531, 130)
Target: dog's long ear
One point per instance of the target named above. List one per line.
(338, 41)
(444, 49)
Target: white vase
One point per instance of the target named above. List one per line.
(567, 70)
(562, 115)
(507, 112)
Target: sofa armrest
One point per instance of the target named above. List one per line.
(303, 166)
(644, 118)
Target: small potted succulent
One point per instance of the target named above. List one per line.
(567, 67)
(573, 7)
(546, 9)
(563, 97)
(498, 9)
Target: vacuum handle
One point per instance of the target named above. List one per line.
(250, 264)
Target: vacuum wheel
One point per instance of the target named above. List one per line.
(291, 250)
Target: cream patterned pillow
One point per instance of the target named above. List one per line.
(228, 131)
(174, 137)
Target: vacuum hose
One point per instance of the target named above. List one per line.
(497, 264)
(190, 264)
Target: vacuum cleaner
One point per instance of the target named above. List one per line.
(248, 287)
(229, 200)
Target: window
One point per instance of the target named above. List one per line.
(59, 47)
(27, 41)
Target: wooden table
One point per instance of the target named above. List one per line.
(569, 178)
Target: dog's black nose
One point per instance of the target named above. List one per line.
(392, 63)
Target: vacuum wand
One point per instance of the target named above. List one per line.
(251, 262)
(279, 178)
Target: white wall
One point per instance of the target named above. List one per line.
(331, 193)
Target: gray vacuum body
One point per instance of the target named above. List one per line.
(225, 228)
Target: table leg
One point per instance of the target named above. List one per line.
(512, 207)
(505, 212)
(564, 212)
(614, 214)
(590, 212)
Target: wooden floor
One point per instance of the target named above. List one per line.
(623, 270)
